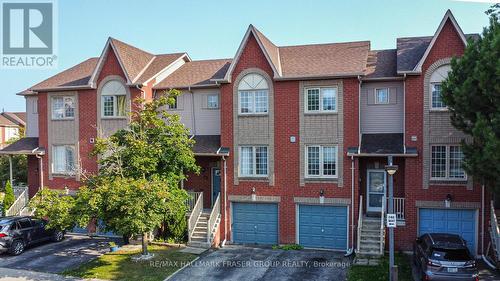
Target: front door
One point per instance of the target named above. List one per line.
(375, 190)
(215, 183)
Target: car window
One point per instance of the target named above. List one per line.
(450, 254)
(24, 223)
(14, 226)
(37, 222)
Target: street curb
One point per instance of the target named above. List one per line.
(186, 265)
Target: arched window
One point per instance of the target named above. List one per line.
(437, 77)
(253, 92)
(113, 99)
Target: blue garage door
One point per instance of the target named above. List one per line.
(255, 223)
(323, 227)
(461, 222)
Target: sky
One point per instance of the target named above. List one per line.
(214, 29)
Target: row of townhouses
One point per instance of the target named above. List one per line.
(292, 140)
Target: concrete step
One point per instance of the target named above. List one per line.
(369, 247)
(370, 234)
(199, 239)
(200, 228)
(369, 254)
(199, 233)
(366, 243)
(370, 239)
(371, 231)
(196, 244)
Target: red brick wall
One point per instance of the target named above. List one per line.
(448, 44)
(286, 155)
(33, 175)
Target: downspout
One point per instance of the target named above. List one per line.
(225, 200)
(40, 168)
(193, 114)
(351, 250)
(485, 259)
(404, 113)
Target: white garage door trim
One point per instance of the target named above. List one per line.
(230, 224)
(476, 236)
(297, 225)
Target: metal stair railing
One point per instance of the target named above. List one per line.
(18, 205)
(360, 220)
(212, 220)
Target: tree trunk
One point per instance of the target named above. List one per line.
(144, 243)
(126, 239)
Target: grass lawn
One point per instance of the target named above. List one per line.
(381, 272)
(119, 266)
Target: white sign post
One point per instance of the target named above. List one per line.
(391, 220)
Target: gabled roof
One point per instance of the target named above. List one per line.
(132, 60)
(19, 118)
(196, 74)
(137, 65)
(4, 121)
(417, 68)
(308, 61)
(159, 63)
(73, 77)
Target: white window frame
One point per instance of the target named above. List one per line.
(254, 162)
(431, 90)
(216, 96)
(388, 96)
(253, 102)
(447, 165)
(52, 113)
(115, 106)
(53, 164)
(321, 110)
(11, 133)
(321, 163)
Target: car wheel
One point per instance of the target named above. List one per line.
(58, 236)
(16, 248)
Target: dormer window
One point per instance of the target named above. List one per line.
(253, 92)
(113, 99)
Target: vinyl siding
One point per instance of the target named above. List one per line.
(31, 116)
(381, 118)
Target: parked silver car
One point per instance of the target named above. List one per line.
(441, 256)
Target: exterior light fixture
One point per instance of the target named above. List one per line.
(254, 196)
(391, 169)
(321, 196)
(447, 201)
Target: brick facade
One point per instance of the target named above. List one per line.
(284, 184)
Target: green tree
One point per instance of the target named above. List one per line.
(9, 197)
(140, 170)
(56, 207)
(472, 94)
(19, 169)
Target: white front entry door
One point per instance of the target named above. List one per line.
(375, 190)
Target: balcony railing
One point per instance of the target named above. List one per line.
(399, 208)
(193, 198)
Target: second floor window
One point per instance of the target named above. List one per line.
(63, 108)
(436, 100)
(113, 100)
(321, 161)
(175, 104)
(253, 161)
(321, 99)
(446, 162)
(63, 159)
(253, 92)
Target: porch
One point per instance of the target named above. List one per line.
(204, 189)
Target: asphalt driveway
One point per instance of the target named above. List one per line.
(57, 257)
(247, 263)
